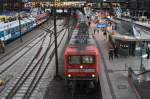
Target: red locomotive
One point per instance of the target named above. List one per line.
(81, 58)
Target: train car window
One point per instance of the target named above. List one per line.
(31, 23)
(17, 28)
(14, 29)
(11, 30)
(1, 34)
(7, 31)
(28, 24)
(87, 59)
(74, 60)
(23, 25)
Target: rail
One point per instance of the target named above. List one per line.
(37, 67)
(10, 65)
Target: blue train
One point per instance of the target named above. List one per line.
(10, 30)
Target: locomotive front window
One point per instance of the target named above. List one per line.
(87, 59)
(74, 60)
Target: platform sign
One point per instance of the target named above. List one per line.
(102, 25)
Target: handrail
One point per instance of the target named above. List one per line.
(130, 70)
(145, 72)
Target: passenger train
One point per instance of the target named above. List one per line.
(81, 59)
(10, 30)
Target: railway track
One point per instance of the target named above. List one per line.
(2, 71)
(23, 43)
(20, 56)
(34, 71)
(27, 72)
(82, 92)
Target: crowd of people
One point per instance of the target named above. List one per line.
(113, 52)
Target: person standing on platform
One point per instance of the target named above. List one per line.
(116, 51)
(89, 23)
(93, 26)
(2, 46)
(97, 22)
(94, 30)
(97, 30)
(105, 34)
(148, 52)
(110, 53)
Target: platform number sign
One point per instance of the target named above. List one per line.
(102, 25)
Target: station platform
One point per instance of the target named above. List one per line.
(114, 74)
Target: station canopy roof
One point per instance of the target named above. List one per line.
(127, 31)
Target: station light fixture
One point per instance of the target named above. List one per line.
(108, 17)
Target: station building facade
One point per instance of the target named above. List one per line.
(139, 7)
(11, 4)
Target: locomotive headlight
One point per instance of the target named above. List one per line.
(93, 75)
(81, 67)
(69, 75)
